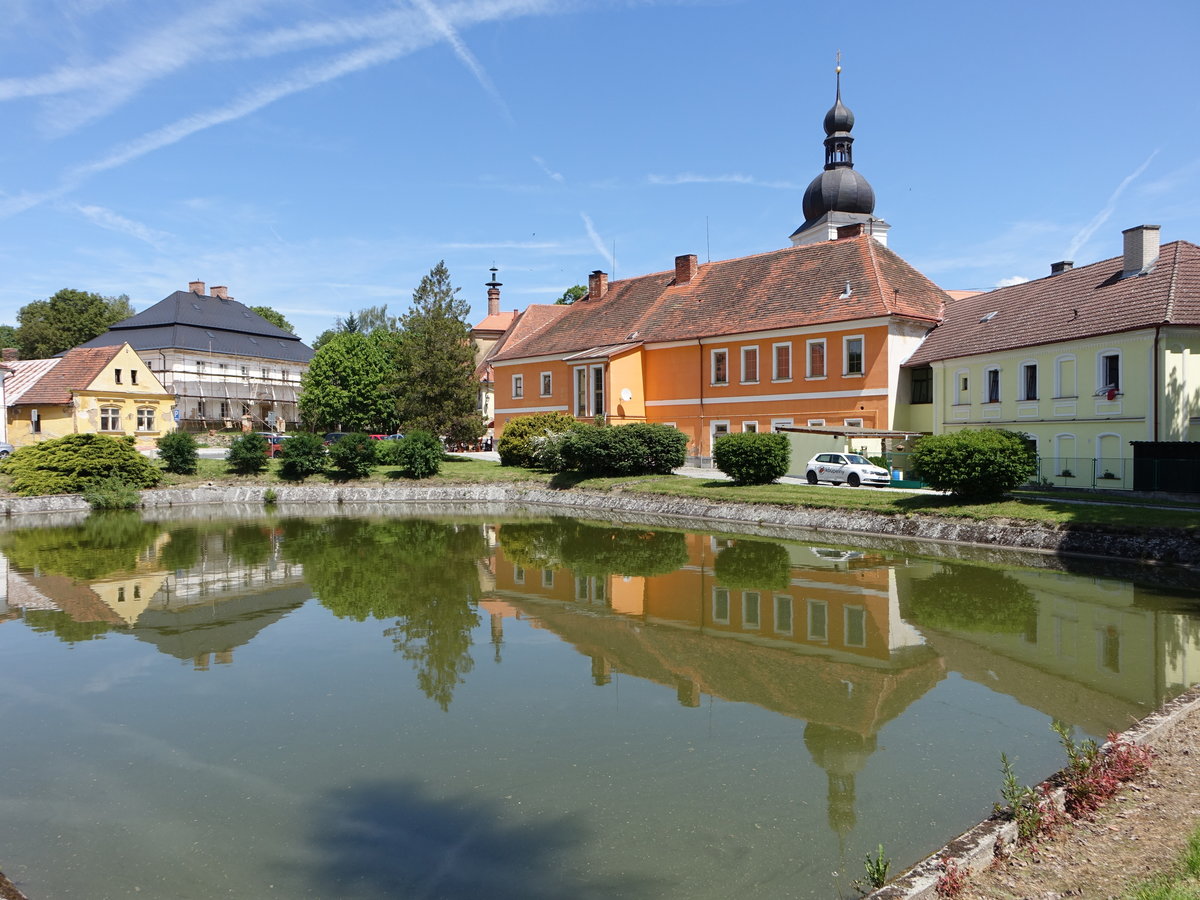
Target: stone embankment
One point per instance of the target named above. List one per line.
(1157, 545)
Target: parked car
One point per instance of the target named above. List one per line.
(334, 436)
(393, 437)
(274, 442)
(5, 449)
(845, 467)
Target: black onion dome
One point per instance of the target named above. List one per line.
(839, 118)
(838, 190)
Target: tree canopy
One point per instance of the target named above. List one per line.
(274, 317)
(571, 294)
(435, 384)
(349, 383)
(65, 320)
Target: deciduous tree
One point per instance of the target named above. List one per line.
(348, 385)
(274, 317)
(66, 320)
(571, 294)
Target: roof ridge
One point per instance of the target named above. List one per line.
(1169, 312)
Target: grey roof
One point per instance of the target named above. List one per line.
(189, 321)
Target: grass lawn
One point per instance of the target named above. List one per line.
(1083, 510)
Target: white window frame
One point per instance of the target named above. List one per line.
(962, 391)
(546, 382)
(547, 578)
(1058, 454)
(1059, 387)
(580, 387)
(821, 636)
(1101, 356)
(816, 423)
(722, 352)
(145, 418)
(750, 427)
(712, 431)
(862, 356)
(518, 386)
(110, 415)
(991, 374)
(720, 595)
(748, 352)
(1023, 388)
(846, 611)
(853, 423)
(778, 602)
(775, 423)
(775, 348)
(518, 574)
(808, 359)
(598, 395)
(35, 421)
(1119, 469)
(751, 600)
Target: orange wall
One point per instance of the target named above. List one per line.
(684, 373)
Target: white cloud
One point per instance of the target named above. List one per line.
(597, 241)
(112, 221)
(1011, 280)
(1084, 234)
(732, 178)
(551, 174)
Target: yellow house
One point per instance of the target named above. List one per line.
(101, 390)
(1084, 361)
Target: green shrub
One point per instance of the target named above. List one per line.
(302, 455)
(112, 493)
(247, 454)
(71, 464)
(752, 457)
(974, 466)
(388, 453)
(638, 449)
(517, 446)
(177, 451)
(418, 454)
(353, 456)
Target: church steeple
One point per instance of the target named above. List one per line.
(839, 195)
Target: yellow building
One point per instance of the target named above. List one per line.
(88, 390)
(1085, 361)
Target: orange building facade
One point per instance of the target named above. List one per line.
(811, 335)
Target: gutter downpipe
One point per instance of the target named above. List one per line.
(700, 442)
(1157, 378)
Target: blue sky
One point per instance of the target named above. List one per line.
(318, 156)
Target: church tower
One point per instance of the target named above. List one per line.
(839, 196)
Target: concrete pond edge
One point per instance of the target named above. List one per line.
(974, 849)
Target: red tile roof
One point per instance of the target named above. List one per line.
(1079, 303)
(787, 288)
(497, 321)
(75, 371)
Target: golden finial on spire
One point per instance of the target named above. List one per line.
(839, 63)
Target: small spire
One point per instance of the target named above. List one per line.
(838, 74)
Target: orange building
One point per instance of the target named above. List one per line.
(810, 335)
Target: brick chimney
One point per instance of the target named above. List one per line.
(1059, 267)
(685, 268)
(597, 285)
(220, 291)
(1141, 249)
(849, 231)
(196, 287)
(9, 354)
(493, 287)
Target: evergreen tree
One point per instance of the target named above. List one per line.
(348, 385)
(435, 362)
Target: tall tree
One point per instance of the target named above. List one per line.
(274, 317)
(348, 385)
(435, 362)
(66, 320)
(571, 294)
(8, 336)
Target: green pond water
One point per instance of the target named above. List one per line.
(533, 707)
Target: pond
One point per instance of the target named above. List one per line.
(532, 707)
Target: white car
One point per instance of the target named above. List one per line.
(848, 467)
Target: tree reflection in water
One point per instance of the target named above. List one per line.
(104, 543)
(421, 573)
(593, 549)
(758, 565)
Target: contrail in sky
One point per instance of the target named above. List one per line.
(1101, 217)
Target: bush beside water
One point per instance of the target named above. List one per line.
(72, 464)
(752, 457)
